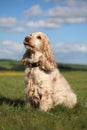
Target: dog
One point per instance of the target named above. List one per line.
(45, 87)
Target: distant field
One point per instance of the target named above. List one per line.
(14, 115)
(11, 65)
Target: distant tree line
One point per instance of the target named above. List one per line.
(11, 65)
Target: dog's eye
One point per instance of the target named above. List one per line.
(38, 37)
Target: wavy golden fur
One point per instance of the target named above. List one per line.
(45, 87)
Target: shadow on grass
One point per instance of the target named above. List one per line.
(12, 102)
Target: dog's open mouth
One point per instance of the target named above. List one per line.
(28, 44)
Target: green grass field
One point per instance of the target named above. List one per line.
(14, 115)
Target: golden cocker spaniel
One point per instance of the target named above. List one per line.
(45, 87)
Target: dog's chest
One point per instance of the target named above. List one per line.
(39, 75)
(42, 80)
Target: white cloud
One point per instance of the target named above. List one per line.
(69, 2)
(52, 18)
(42, 24)
(18, 30)
(7, 22)
(63, 49)
(12, 25)
(33, 11)
(59, 16)
(70, 53)
(67, 15)
(65, 11)
(11, 50)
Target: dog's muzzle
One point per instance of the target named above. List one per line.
(27, 41)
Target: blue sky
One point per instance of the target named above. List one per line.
(64, 22)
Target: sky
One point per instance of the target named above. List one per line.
(63, 21)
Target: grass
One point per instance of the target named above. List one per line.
(14, 115)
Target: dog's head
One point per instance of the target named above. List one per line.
(39, 45)
(36, 42)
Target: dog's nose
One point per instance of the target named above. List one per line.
(27, 38)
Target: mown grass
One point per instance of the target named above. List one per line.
(14, 115)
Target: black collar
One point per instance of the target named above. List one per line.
(34, 64)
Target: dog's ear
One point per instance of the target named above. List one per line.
(47, 60)
(48, 53)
